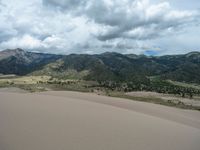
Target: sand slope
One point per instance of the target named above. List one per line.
(72, 121)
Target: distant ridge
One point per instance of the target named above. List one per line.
(20, 50)
(108, 66)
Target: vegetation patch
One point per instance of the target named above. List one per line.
(178, 92)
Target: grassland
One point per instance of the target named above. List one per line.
(167, 100)
(46, 83)
(195, 86)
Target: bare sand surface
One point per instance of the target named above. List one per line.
(187, 117)
(82, 121)
(13, 90)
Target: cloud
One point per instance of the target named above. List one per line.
(136, 19)
(95, 26)
(25, 41)
(65, 4)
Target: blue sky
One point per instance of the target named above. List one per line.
(151, 52)
(91, 26)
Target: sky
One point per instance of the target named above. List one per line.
(152, 27)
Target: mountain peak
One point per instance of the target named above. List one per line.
(193, 53)
(11, 52)
(17, 50)
(109, 53)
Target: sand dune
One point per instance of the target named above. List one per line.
(80, 121)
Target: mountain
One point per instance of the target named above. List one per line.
(182, 67)
(108, 66)
(20, 62)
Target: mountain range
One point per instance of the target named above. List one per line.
(109, 66)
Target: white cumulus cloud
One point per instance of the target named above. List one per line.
(95, 26)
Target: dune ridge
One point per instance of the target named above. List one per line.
(77, 121)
